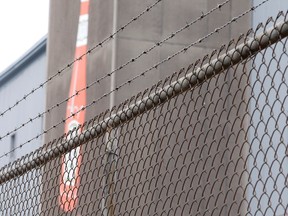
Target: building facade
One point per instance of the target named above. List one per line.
(15, 81)
(221, 186)
(160, 22)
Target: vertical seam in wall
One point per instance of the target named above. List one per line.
(161, 32)
(162, 19)
(228, 99)
(157, 199)
(114, 54)
(202, 207)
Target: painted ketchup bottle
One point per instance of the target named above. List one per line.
(70, 176)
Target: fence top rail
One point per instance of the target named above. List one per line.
(239, 53)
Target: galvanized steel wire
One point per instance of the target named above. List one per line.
(208, 140)
(129, 81)
(79, 58)
(98, 81)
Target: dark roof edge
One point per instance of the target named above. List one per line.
(25, 59)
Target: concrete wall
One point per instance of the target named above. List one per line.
(156, 25)
(160, 22)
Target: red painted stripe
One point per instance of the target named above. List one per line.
(84, 8)
(68, 198)
(69, 193)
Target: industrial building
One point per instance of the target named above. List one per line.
(109, 73)
(15, 81)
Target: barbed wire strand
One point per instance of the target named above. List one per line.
(140, 75)
(170, 149)
(59, 72)
(133, 60)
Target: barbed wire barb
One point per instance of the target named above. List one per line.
(133, 60)
(89, 51)
(141, 74)
(208, 140)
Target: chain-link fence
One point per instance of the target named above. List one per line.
(208, 140)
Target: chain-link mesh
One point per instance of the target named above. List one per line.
(208, 140)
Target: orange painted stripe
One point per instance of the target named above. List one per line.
(84, 8)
